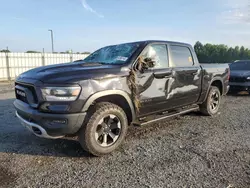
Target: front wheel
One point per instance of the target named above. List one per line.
(105, 130)
(212, 103)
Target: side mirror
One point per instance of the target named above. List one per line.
(144, 63)
(150, 62)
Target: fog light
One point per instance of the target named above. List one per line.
(37, 131)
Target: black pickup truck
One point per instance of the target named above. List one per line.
(127, 84)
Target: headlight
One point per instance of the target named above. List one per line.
(248, 78)
(61, 93)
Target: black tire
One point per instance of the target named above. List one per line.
(206, 107)
(89, 134)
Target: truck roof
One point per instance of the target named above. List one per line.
(163, 41)
(145, 42)
(156, 41)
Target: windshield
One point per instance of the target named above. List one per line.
(240, 65)
(117, 54)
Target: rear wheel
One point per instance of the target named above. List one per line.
(212, 103)
(105, 130)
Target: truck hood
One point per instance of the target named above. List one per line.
(74, 72)
(240, 73)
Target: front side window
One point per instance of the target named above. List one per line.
(181, 56)
(158, 53)
(117, 54)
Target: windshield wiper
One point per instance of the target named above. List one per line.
(77, 60)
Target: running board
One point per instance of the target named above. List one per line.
(166, 116)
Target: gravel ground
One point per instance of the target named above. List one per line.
(6, 87)
(187, 151)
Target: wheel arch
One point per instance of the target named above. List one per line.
(118, 97)
(216, 81)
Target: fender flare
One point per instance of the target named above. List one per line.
(100, 94)
(215, 79)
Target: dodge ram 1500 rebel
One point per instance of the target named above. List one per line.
(135, 83)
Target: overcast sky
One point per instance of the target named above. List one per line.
(85, 25)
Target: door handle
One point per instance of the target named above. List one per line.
(159, 75)
(167, 76)
(141, 76)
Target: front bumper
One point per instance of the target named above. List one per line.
(35, 128)
(245, 86)
(48, 125)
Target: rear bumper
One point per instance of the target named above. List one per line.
(48, 125)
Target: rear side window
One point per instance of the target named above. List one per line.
(181, 56)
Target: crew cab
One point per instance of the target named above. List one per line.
(116, 86)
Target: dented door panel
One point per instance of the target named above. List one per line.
(151, 92)
(185, 85)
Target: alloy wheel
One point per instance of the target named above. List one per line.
(108, 130)
(215, 101)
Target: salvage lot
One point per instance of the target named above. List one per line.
(186, 151)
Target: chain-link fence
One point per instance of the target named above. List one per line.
(13, 64)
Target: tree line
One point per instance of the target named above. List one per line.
(213, 53)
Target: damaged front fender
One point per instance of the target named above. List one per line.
(92, 90)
